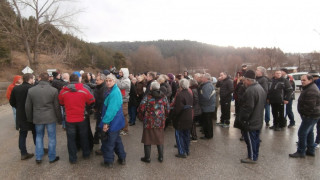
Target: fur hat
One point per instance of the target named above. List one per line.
(250, 74)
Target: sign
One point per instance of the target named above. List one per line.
(27, 70)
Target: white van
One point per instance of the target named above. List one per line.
(297, 78)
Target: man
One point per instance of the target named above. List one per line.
(74, 97)
(98, 93)
(66, 80)
(17, 100)
(226, 89)
(289, 112)
(250, 120)
(207, 103)
(57, 82)
(309, 110)
(111, 124)
(263, 80)
(244, 68)
(43, 109)
(186, 75)
(124, 85)
(279, 94)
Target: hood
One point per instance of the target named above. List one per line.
(125, 72)
(73, 87)
(16, 79)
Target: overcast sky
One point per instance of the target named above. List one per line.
(292, 25)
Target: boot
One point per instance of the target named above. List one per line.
(160, 152)
(147, 151)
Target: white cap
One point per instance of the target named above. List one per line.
(81, 72)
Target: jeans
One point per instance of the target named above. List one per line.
(97, 133)
(22, 140)
(132, 114)
(80, 129)
(112, 144)
(206, 120)
(63, 112)
(183, 141)
(318, 133)
(289, 112)
(267, 112)
(225, 111)
(14, 110)
(252, 140)
(51, 130)
(305, 135)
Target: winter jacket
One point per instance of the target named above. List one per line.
(182, 110)
(226, 89)
(196, 105)
(264, 82)
(42, 104)
(280, 91)
(58, 84)
(12, 85)
(18, 100)
(112, 113)
(293, 85)
(174, 88)
(133, 100)
(74, 98)
(207, 97)
(251, 110)
(153, 110)
(317, 82)
(98, 94)
(309, 101)
(124, 84)
(165, 88)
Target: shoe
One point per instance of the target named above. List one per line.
(147, 160)
(45, 150)
(107, 165)
(38, 161)
(55, 160)
(225, 125)
(122, 161)
(316, 146)
(248, 161)
(242, 138)
(310, 154)
(219, 123)
(160, 153)
(175, 146)
(123, 133)
(277, 129)
(72, 162)
(194, 140)
(297, 155)
(181, 156)
(27, 156)
(204, 138)
(98, 152)
(267, 124)
(272, 127)
(96, 141)
(132, 124)
(291, 125)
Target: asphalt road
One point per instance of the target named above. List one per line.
(218, 158)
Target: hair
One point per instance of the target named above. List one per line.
(74, 78)
(161, 79)
(84, 78)
(102, 76)
(197, 75)
(251, 80)
(44, 76)
(309, 76)
(111, 76)
(184, 83)
(64, 75)
(262, 70)
(152, 74)
(193, 82)
(155, 85)
(225, 73)
(26, 77)
(207, 76)
(179, 76)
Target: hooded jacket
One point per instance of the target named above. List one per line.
(12, 85)
(124, 85)
(74, 97)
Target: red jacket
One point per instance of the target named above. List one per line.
(74, 98)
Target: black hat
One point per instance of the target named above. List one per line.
(250, 74)
(106, 72)
(285, 70)
(55, 74)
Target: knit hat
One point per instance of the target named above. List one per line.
(285, 70)
(250, 74)
(55, 74)
(106, 72)
(171, 76)
(77, 73)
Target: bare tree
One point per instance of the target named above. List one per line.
(43, 15)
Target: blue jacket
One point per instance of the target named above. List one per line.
(112, 113)
(317, 82)
(207, 97)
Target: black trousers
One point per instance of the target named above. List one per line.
(207, 124)
(278, 115)
(225, 111)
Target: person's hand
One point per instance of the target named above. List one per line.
(105, 127)
(285, 102)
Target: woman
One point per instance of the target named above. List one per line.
(140, 87)
(153, 111)
(17, 80)
(196, 109)
(182, 118)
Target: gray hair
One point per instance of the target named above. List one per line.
(102, 76)
(184, 83)
(111, 76)
(161, 79)
(197, 75)
(193, 82)
(155, 85)
(262, 70)
(207, 76)
(251, 80)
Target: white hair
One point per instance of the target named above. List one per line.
(111, 76)
(184, 83)
(155, 85)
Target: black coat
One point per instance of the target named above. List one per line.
(98, 94)
(182, 110)
(18, 100)
(279, 91)
(309, 101)
(264, 82)
(226, 89)
(133, 99)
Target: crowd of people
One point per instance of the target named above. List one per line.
(117, 99)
